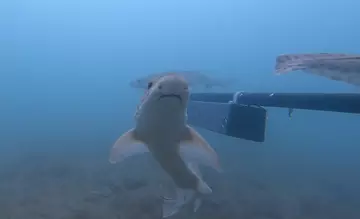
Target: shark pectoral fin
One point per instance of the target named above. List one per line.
(126, 145)
(184, 196)
(195, 149)
(202, 186)
(195, 169)
(197, 204)
(172, 206)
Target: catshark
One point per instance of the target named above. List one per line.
(334, 66)
(162, 130)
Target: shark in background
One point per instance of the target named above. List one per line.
(334, 66)
(193, 78)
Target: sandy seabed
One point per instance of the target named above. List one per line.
(86, 186)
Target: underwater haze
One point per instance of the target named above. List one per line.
(65, 68)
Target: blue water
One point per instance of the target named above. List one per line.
(65, 68)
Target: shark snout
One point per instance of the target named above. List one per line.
(172, 87)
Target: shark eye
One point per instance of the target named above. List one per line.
(160, 87)
(150, 84)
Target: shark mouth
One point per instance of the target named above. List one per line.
(170, 96)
